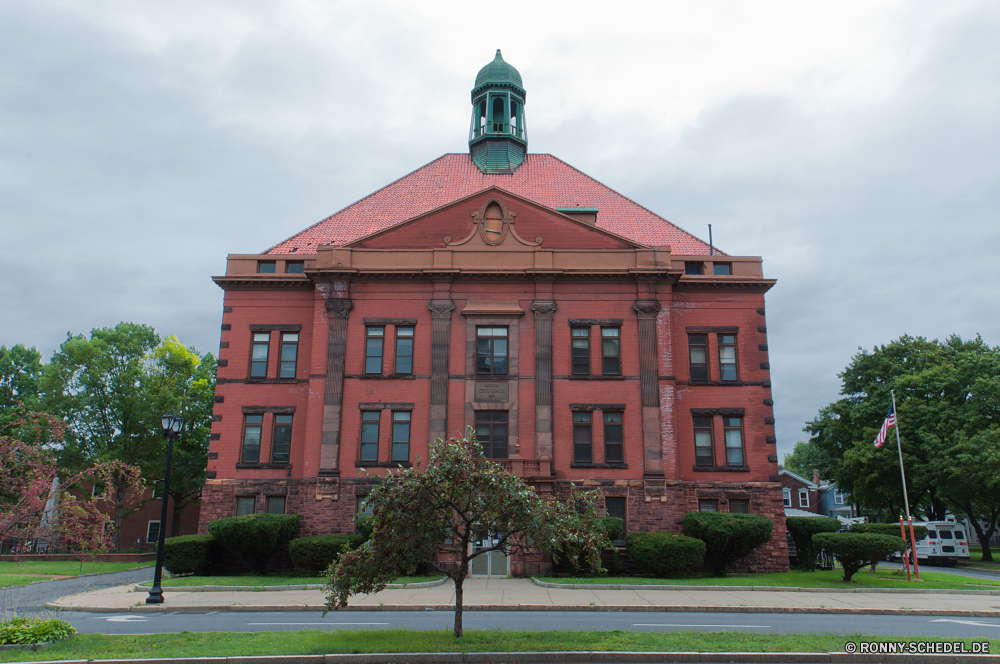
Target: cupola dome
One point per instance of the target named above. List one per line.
(498, 140)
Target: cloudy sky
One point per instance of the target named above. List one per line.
(854, 145)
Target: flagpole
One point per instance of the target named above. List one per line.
(902, 473)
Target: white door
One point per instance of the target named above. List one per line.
(491, 563)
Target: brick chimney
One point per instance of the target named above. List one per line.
(815, 476)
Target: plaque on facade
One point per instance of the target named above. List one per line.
(492, 391)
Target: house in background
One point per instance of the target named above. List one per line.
(800, 497)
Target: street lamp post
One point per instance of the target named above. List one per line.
(172, 425)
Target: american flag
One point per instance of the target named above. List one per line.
(890, 421)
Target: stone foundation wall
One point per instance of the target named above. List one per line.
(328, 507)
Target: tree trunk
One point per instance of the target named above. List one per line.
(463, 571)
(116, 541)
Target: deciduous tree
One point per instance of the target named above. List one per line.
(435, 514)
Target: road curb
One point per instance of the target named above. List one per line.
(600, 657)
(310, 586)
(771, 589)
(640, 608)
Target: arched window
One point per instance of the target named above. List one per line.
(514, 108)
(498, 115)
(493, 219)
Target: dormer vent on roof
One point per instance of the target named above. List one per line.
(498, 139)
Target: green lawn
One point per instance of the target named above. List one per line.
(274, 580)
(65, 568)
(976, 558)
(217, 644)
(883, 578)
(8, 581)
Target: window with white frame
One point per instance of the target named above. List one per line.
(786, 495)
(803, 498)
(152, 532)
(838, 498)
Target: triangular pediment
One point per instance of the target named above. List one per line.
(497, 220)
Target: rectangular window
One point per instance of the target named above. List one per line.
(491, 432)
(708, 505)
(722, 269)
(491, 350)
(727, 357)
(374, 344)
(251, 438)
(838, 498)
(157, 489)
(295, 267)
(404, 350)
(733, 427)
(275, 505)
(580, 342)
(289, 354)
(613, 438)
(281, 446)
(582, 438)
(265, 267)
(693, 267)
(739, 506)
(703, 448)
(401, 435)
(611, 351)
(803, 498)
(258, 354)
(616, 508)
(786, 495)
(369, 434)
(153, 532)
(698, 352)
(245, 505)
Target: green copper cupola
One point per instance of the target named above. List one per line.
(498, 140)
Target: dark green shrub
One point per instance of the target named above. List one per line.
(314, 554)
(802, 529)
(363, 525)
(25, 631)
(614, 527)
(665, 554)
(254, 538)
(191, 554)
(890, 529)
(727, 537)
(855, 550)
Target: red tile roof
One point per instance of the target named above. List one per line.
(541, 178)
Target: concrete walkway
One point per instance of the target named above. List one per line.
(523, 595)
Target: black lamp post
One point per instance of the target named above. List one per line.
(172, 425)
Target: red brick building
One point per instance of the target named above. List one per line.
(584, 337)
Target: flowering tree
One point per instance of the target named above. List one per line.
(35, 499)
(436, 514)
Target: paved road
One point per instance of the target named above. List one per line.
(34, 596)
(147, 623)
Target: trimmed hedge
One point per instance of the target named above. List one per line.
(315, 554)
(254, 538)
(727, 536)
(855, 550)
(363, 526)
(891, 529)
(665, 554)
(614, 527)
(802, 529)
(191, 554)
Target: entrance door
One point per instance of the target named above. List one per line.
(492, 563)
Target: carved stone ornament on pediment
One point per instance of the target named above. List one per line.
(493, 224)
(646, 308)
(339, 307)
(544, 309)
(441, 308)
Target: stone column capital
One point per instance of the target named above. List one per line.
(646, 308)
(544, 309)
(339, 307)
(441, 308)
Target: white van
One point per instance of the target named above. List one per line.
(945, 543)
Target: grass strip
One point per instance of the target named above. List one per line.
(272, 580)
(883, 578)
(318, 642)
(65, 567)
(9, 581)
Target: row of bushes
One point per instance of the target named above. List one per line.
(714, 540)
(254, 539)
(867, 543)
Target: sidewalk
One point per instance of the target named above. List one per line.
(523, 595)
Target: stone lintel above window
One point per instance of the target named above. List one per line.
(596, 406)
(722, 469)
(254, 410)
(606, 322)
(390, 321)
(385, 405)
(263, 327)
(709, 412)
(701, 329)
